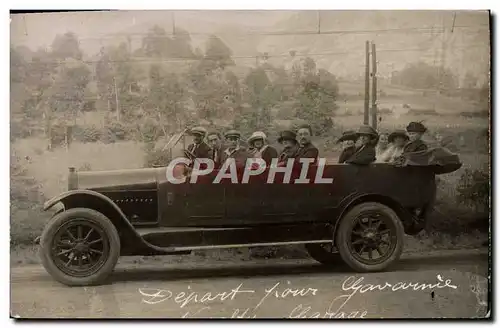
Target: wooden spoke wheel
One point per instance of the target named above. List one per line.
(370, 237)
(80, 247)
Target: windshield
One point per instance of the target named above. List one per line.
(174, 140)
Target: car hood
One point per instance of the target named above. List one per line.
(132, 179)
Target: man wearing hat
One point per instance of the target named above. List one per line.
(348, 140)
(234, 150)
(306, 148)
(258, 142)
(397, 141)
(288, 139)
(365, 154)
(199, 148)
(415, 130)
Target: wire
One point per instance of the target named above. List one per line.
(187, 59)
(278, 33)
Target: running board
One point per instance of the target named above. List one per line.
(194, 238)
(209, 247)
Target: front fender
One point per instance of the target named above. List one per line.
(103, 204)
(68, 194)
(73, 198)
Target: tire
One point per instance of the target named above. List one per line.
(346, 230)
(322, 255)
(101, 236)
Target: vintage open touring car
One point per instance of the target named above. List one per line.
(360, 217)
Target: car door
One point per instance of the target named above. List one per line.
(261, 202)
(192, 204)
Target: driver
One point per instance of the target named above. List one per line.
(234, 150)
(199, 148)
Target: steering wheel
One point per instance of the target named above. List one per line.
(189, 155)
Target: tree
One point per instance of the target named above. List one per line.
(316, 96)
(69, 90)
(180, 45)
(66, 46)
(119, 78)
(18, 66)
(166, 96)
(104, 79)
(218, 52)
(421, 75)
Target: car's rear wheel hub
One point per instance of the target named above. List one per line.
(372, 238)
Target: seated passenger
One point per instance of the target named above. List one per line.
(260, 148)
(365, 153)
(348, 140)
(306, 148)
(415, 131)
(290, 146)
(397, 141)
(382, 144)
(215, 142)
(199, 148)
(234, 150)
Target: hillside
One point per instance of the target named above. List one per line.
(465, 48)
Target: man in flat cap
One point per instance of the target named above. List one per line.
(199, 148)
(233, 149)
(306, 148)
(415, 130)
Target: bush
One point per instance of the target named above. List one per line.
(25, 198)
(154, 157)
(87, 134)
(474, 189)
(149, 131)
(115, 131)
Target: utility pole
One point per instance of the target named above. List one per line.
(117, 100)
(367, 85)
(374, 87)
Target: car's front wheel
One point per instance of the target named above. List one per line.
(370, 237)
(80, 247)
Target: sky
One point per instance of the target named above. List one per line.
(467, 49)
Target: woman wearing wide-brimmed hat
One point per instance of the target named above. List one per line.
(348, 140)
(288, 139)
(397, 141)
(260, 147)
(365, 153)
(415, 130)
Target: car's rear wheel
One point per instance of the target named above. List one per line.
(80, 247)
(370, 237)
(326, 254)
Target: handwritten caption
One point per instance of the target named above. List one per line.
(351, 286)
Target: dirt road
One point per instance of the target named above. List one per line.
(288, 289)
